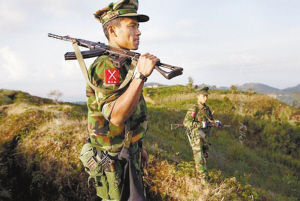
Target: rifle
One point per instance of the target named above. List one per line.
(98, 49)
(213, 124)
(175, 126)
(210, 124)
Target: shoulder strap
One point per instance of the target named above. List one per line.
(84, 71)
(196, 112)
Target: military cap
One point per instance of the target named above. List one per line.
(122, 8)
(203, 91)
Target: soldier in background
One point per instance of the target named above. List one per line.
(117, 113)
(198, 121)
(242, 132)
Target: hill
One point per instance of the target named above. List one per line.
(292, 89)
(259, 88)
(41, 140)
(11, 96)
(290, 96)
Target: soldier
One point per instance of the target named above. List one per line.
(117, 113)
(198, 121)
(243, 132)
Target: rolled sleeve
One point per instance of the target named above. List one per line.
(107, 109)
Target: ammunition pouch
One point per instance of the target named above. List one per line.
(101, 168)
(110, 169)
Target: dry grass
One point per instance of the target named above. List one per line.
(174, 98)
(58, 138)
(52, 138)
(163, 179)
(13, 124)
(17, 109)
(49, 140)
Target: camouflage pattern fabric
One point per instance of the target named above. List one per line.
(108, 172)
(107, 137)
(102, 132)
(122, 8)
(197, 135)
(109, 184)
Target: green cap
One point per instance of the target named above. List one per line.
(122, 8)
(203, 91)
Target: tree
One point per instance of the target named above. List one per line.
(55, 95)
(214, 87)
(233, 89)
(190, 82)
(250, 90)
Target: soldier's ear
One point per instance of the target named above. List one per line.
(112, 31)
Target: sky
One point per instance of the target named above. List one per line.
(220, 43)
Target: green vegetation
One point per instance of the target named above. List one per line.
(268, 158)
(41, 140)
(11, 96)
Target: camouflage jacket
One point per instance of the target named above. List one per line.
(195, 117)
(105, 75)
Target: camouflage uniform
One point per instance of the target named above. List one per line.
(106, 140)
(108, 137)
(102, 131)
(196, 120)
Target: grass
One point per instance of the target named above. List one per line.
(40, 145)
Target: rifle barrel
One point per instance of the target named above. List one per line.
(66, 38)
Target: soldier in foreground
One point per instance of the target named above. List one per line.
(198, 121)
(117, 116)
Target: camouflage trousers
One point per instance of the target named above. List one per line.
(109, 179)
(200, 146)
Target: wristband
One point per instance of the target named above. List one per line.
(138, 75)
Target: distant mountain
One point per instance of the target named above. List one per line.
(223, 88)
(292, 89)
(259, 88)
(287, 95)
(79, 102)
(151, 84)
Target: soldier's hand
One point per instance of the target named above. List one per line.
(218, 123)
(145, 158)
(146, 64)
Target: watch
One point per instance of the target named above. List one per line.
(138, 75)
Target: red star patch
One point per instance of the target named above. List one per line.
(112, 76)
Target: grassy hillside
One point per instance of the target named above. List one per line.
(267, 157)
(41, 140)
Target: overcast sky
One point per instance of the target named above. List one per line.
(217, 42)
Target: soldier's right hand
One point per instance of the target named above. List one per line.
(146, 64)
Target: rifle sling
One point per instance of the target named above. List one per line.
(84, 71)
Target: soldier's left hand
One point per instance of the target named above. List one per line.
(145, 158)
(218, 123)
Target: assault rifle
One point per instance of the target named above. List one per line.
(217, 124)
(175, 126)
(98, 49)
(209, 124)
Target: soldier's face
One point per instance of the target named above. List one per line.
(128, 34)
(202, 98)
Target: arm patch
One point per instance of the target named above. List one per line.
(112, 76)
(193, 114)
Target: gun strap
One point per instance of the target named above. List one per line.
(84, 71)
(83, 67)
